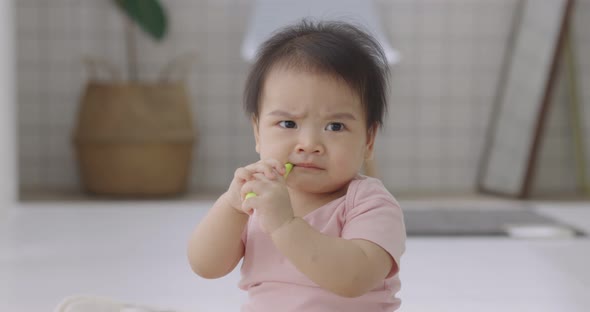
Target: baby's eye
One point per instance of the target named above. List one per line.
(335, 126)
(289, 124)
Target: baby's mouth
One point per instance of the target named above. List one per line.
(307, 166)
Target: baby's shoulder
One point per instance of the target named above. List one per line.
(364, 189)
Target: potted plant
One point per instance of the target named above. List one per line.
(135, 138)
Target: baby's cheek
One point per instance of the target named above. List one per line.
(345, 163)
(274, 151)
(279, 150)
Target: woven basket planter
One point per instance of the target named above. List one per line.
(134, 139)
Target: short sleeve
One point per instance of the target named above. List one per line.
(373, 214)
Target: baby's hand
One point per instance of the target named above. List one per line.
(272, 202)
(269, 168)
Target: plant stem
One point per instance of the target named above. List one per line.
(131, 49)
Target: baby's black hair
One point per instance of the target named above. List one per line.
(334, 48)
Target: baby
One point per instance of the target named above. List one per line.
(323, 238)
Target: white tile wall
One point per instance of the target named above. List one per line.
(441, 97)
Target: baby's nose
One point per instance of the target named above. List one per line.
(310, 143)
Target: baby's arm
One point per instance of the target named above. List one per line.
(348, 268)
(215, 247)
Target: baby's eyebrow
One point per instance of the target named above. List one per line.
(282, 113)
(285, 114)
(348, 116)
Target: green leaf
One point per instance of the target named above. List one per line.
(148, 14)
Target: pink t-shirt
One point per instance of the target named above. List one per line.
(367, 211)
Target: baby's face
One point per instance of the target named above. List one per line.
(315, 122)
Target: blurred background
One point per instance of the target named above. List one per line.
(443, 90)
(485, 146)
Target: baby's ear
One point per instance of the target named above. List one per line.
(254, 121)
(370, 146)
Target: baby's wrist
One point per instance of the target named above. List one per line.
(284, 227)
(226, 198)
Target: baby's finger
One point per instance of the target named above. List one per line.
(252, 186)
(243, 174)
(248, 205)
(277, 165)
(263, 167)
